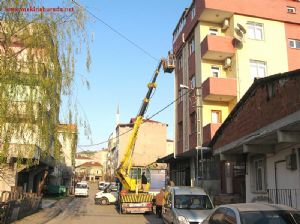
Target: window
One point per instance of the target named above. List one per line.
(193, 82)
(291, 9)
(258, 69)
(255, 31)
(193, 123)
(213, 31)
(216, 116)
(180, 131)
(191, 46)
(294, 43)
(215, 71)
(259, 174)
(193, 13)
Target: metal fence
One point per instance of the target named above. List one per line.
(14, 205)
(289, 197)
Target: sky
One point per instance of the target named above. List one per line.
(119, 71)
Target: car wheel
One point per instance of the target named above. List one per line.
(104, 201)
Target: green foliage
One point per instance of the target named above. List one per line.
(37, 65)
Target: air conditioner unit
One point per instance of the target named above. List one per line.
(227, 63)
(225, 25)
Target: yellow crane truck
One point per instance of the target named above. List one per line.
(133, 198)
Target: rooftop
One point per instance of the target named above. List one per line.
(90, 164)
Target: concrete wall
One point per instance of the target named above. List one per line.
(170, 147)
(150, 145)
(286, 179)
(67, 141)
(7, 177)
(272, 49)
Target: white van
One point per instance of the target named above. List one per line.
(82, 189)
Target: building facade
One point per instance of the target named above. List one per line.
(29, 105)
(258, 144)
(90, 171)
(151, 144)
(220, 48)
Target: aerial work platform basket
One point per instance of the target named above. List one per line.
(169, 63)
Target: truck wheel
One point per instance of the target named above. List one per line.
(104, 201)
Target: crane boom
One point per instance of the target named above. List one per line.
(123, 171)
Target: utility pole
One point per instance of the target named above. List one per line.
(199, 131)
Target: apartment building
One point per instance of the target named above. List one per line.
(29, 107)
(220, 48)
(151, 144)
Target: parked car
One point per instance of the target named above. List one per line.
(254, 213)
(102, 185)
(82, 189)
(186, 205)
(107, 196)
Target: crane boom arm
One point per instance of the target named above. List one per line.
(123, 171)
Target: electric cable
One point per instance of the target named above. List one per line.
(147, 119)
(117, 32)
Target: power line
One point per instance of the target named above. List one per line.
(117, 32)
(147, 119)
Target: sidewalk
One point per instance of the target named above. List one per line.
(51, 209)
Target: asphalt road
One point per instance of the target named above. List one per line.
(84, 211)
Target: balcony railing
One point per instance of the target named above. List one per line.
(219, 89)
(217, 47)
(289, 197)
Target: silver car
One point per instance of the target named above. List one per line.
(186, 205)
(253, 213)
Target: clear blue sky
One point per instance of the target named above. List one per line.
(120, 72)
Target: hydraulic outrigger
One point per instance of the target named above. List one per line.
(135, 200)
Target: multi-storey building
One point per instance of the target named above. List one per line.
(150, 145)
(30, 80)
(220, 47)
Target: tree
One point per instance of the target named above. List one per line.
(37, 64)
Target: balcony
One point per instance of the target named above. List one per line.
(217, 47)
(219, 89)
(209, 132)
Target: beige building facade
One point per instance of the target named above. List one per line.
(151, 144)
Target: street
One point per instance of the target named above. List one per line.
(84, 210)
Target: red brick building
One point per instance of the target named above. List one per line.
(259, 142)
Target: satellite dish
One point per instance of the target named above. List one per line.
(237, 43)
(242, 29)
(239, 32)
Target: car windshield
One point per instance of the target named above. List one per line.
(268, 217)
(192, 202)
(83, 186)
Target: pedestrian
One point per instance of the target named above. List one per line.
(159, 200)
(144, 182)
